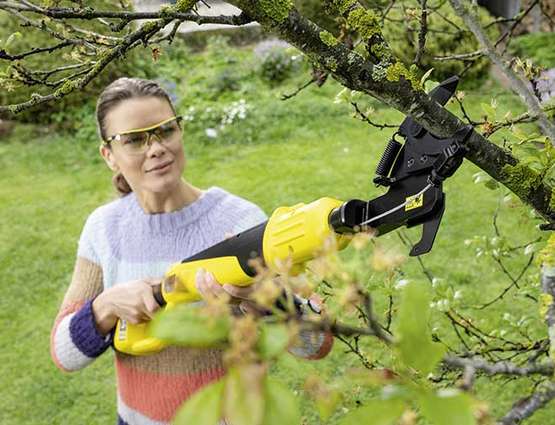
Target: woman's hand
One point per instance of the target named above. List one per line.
(208, 287)
(131, 301)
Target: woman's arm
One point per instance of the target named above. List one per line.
(75, 340)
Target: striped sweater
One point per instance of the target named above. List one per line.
(120, 243)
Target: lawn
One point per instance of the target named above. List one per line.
(280, 153)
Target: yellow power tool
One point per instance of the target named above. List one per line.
(413, 172)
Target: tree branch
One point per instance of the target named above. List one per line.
(499, 368)
(356, 73)
(528, 406)
(517, 82)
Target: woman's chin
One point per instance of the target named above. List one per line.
(162, 184)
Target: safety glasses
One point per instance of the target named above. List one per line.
(138, 141)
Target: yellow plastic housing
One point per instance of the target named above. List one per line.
(293, 233)
(298, 232)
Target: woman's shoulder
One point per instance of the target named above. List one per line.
(226, 199)
(234, 211)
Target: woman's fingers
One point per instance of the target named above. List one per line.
(153, 281)
(207, 285)
(150, 304)
(243, 292)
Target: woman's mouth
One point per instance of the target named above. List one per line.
(161, 167)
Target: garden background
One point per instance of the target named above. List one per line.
(239, 135)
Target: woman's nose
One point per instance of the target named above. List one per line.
(155, 147)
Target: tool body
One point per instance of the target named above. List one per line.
(413, 172)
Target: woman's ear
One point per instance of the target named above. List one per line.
(108, 156)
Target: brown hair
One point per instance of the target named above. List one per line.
(119, 90)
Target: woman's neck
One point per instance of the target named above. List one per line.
(175, 199)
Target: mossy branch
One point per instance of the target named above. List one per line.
(360, 74)
(143, 33)
(377, 74)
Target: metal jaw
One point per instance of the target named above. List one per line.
(414, 173)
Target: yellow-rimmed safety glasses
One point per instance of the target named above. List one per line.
(138, 141)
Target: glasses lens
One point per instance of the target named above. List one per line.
(135, 142)
(138, 142)
(167, 130)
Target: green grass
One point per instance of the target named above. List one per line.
(300, 150)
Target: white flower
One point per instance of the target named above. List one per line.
(211, 133)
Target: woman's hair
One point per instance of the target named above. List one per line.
(119, 90)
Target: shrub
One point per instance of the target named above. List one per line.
(536, 46)
(276, 66)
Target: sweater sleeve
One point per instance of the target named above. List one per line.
(313, 345)
(75, 341)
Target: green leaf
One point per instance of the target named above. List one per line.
(426, 76)
(327, 403)
(203, 408)
(550, 175)
(281, 405)
(489, 111)
(273, 340)
(429, 85)
(11, 38)
(415, 345)
(448, 407)
(491, 184)
(244, 395)
(375, 412)
(190, 326)
(518, 133)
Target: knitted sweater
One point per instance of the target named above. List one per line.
(120, 243)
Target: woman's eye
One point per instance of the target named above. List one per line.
(133, 140)
(167, 130)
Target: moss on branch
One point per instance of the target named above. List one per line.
(277, 10)
(328, 38)
(365, 22)
(521, 179)
(398, 69)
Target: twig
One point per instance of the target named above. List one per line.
(367, 120)
(37, 50)
(90, 14)
(354, 349)
(285, 96)
(526, 407)
(499, 368)
(517, 82)
(143, 33)
(465, 114)
(513, 284)
(422, 33)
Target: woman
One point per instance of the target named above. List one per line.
(127, 245)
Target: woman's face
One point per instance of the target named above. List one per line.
(160, 167)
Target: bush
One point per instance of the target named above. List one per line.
(276, 66)
(135, 63)
(536, 46)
